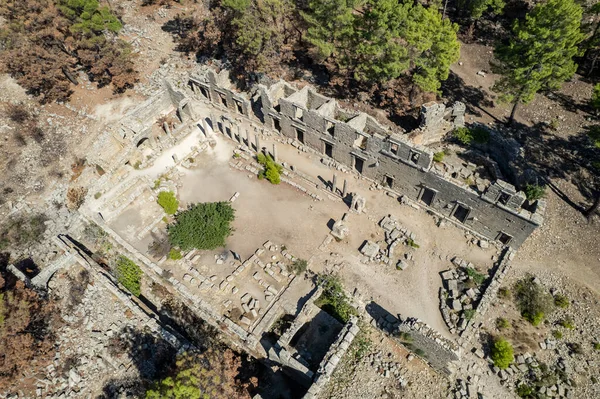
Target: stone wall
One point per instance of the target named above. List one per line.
(388, 158)
(333, 357)
(438, 351)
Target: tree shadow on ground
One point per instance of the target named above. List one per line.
(568, 103)
(553, 157)
(455, 89)
(151, 356)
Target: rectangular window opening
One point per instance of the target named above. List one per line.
(394, 149)
(331, 128)
(300, 135)
(504, 198)
(359, 165)
(427, 196)
(223, 99)
(328, 150)
(414, 157)
(240, 108)
(204, 92)
(504, 238)
(461, 213)
(360, 142)
(389, 181)
(277, 125)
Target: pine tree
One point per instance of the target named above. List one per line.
(476, 8)
(330, 28)
(539, 55)
(433, 47)
(379, 53)
(262, 31)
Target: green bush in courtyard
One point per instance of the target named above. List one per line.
(271, 171)
(175, 254)
(169, 203)
(129, 274)
(333, 299)
(202, 226)
(299, 266)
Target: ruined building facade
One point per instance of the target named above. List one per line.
(497, 213)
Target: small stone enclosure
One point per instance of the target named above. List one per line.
(319, 124)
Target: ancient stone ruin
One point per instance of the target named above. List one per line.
(496, 212)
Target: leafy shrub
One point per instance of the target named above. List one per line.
(129, 274)
(439, 156)
(557, 334)
(595, 101)
(525, 391)
(534, 191)
(361, 345)
(333, 299)
(567, 323)
(420, 352)
(502, 323)
(97, 195)
(594, 135)
(271, 171)
(476, 276)
(169, 203)
(504, 293)
(411, 243)
(175, 254)
(467, 136)
(202, 226)
(561, 301)
(597, 346)
(502, 353)
(405, 337)
(554, 124)
(469, 314)
(532, 300)
(299, 266)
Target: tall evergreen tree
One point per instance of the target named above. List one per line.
(433, 47)
(330, 29)
(476, 8)
(539, 55)
(379, 52)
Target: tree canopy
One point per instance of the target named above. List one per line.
(539, 55)
(202, 226)
(211, 375)
(46, 41)
(379, 40)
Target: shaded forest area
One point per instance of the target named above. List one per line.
(44, 43)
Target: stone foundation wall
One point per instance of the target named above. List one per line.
(332, 358)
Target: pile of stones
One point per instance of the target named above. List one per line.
(459, 295)
(528, 365)
(387, 369)
(385, 251)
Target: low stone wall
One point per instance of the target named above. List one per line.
(489, 294)
(438, 351)
(337, 350)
